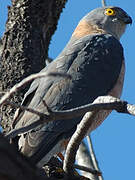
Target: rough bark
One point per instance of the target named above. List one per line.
(14, 166)
(29, 29)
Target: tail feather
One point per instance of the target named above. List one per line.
(40, 153)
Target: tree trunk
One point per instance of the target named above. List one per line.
(29, 29)
(14, 166)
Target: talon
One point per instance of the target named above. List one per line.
(60, 155)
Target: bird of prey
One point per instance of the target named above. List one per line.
(95, 60)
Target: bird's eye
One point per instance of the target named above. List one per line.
(110, 12)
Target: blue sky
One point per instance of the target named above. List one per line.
(114, 140)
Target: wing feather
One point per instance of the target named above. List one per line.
(94, 62)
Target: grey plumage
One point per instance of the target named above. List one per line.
(94, 59)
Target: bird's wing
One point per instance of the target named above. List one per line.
(94, 62)
(27, 99)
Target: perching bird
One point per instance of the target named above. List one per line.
(94, 58)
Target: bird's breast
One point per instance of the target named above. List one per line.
(116, 92)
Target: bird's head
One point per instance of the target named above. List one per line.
(111, 19)
(108, 19)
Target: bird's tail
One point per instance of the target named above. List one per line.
(41, 148)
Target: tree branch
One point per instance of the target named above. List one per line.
(102, 103)
(84, 125)
(26, 29)
(104, 3)
(84, 159)
(21, 84)
(30, 24)
(93, 156)
(86, 169)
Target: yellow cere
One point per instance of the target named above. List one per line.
(110, 12)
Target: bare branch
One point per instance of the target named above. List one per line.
(104, 3)
(23, 108)
(104, 103)
(75, 141)
(26, 81)
(93, 156)
(82, 130)
(92, 152)
(101, 103)
(86, 169)
(47, 107)
(83, 158)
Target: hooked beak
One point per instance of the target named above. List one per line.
(127, 20)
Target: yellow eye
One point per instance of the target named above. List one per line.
(110, 12)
